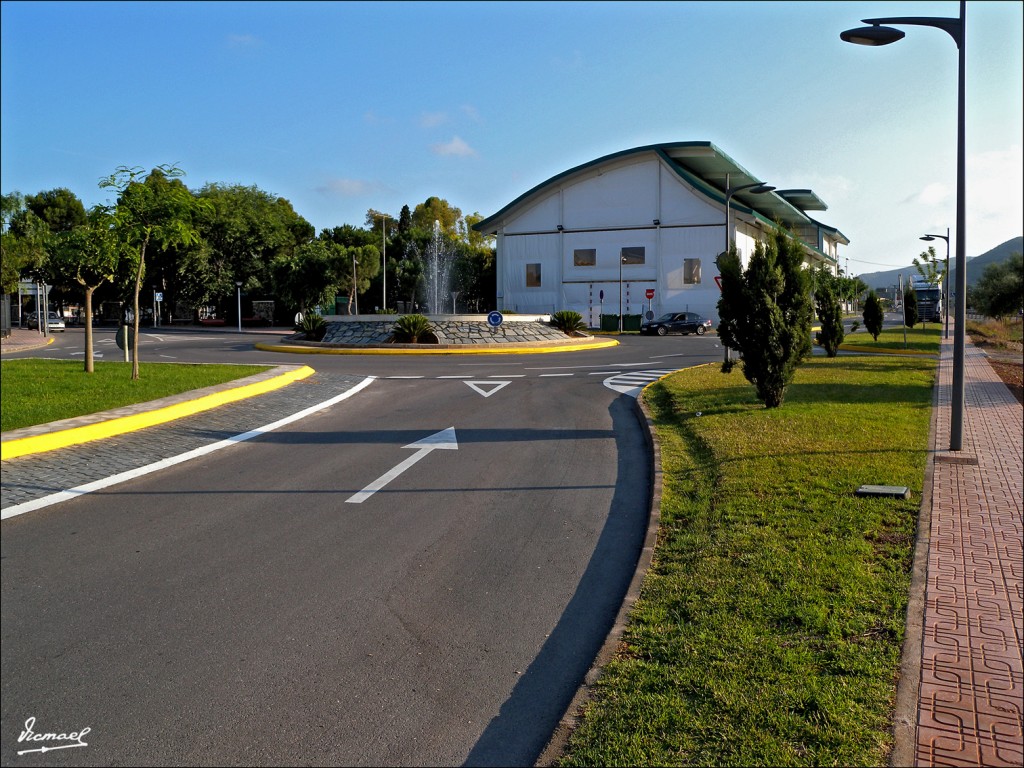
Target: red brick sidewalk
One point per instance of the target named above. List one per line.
(972, 677)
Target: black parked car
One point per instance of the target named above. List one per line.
(677, 322)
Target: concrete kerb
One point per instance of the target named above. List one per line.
(571, 718)
(61, 434)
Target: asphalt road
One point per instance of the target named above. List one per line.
(332, 593)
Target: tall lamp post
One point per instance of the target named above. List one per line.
(757, 188)
(384, 242)
(355, 286)
(238, 288)
(930, 238)
(883, 35)
(622, 260)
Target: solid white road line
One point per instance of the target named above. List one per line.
(96, 485)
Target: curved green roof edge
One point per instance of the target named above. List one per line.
(662, 151)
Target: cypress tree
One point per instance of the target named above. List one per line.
(765, 312)
(873, 315)
(830, 315)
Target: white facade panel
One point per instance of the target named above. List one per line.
(681, 205)
(616, 197)
(518, 254)
(544, 216)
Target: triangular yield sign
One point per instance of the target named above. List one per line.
(478, 386)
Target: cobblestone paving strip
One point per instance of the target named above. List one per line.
(972, 679)
(32, 477)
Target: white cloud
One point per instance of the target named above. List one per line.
(935, 194)
(346, 188)
(995, 196)
(433, 119)
(243, 41)
(472, 113)
(456, 148)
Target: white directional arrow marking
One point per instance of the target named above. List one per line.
(444, 439)
(494, 386)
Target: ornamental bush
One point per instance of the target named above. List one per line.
(412, 329)
(313, 325)
(569, 322)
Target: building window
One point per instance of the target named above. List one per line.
(633, 255)
(691, 271)
(533, 275)
(584, 257)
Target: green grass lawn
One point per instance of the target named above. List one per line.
(919, 339)
(769, 627)
(39, 391)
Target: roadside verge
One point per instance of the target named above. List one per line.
(61, 434)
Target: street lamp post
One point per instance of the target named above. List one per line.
(238, 287)
(622, 260)
(757, 188)
(945, 281)
(883, 35)
(384, 242)
(355, 286)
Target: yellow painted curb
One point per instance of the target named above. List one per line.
(483, 350)
(77, 435)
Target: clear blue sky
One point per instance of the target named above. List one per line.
(342, 107)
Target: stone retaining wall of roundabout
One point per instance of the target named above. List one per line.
(463, 333)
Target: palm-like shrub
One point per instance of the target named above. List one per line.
(411, 329)
(313, 325)
(567, 321)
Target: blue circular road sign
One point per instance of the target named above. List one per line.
(494, 319)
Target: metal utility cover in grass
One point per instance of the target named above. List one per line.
(891, 491)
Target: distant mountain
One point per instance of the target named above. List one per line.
(975, 265)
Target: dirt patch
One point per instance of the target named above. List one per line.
(1006, 359)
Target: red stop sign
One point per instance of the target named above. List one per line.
(650, 293)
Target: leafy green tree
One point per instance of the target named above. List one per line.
(90, 255)
(153, 210)
(308, 277)
(60, 208)
(874, 315)
(830, 314)
(245, 231)
(1000, 289)
(436, 209)
(910, 308)
(26, 249)
(23, 243)
(765, 312)
(929, 267)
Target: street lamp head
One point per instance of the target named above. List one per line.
(761, 189)
(873, 35)
(238, 283)
(927, 238)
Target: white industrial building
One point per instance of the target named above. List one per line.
(647, 218)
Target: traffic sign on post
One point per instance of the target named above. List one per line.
(650, 293)
(494, 319)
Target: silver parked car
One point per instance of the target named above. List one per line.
(53, 321)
